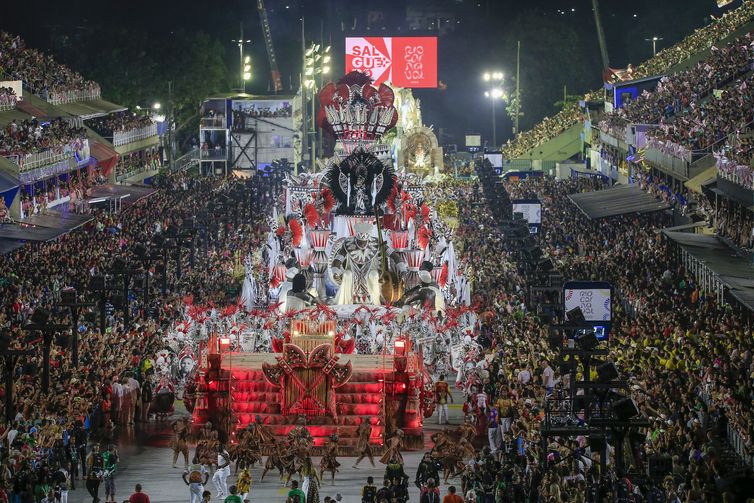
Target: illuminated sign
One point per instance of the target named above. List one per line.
(402, 61)
(594, 298)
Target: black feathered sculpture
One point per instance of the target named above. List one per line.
(360, 183)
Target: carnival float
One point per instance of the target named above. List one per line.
(356, 303)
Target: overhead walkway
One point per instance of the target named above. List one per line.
(618, 200)
(719, 268)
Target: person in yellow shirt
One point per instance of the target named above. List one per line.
(243, 484)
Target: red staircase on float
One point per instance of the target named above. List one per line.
(362, 396)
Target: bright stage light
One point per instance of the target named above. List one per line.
(487, 77)
(247, 76)
(156, 106)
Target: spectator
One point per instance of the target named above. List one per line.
(138, 496)
(296, 495)
(452, 497)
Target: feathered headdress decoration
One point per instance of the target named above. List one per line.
(293, 231)
(354, 110)
(319, 207)
(360, 173)
(423, 237)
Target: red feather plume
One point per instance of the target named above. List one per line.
(425, 211)
(311, 214)
(391, 198)
(328, 199)
(443, 279)
(424, 235)
(297, 232)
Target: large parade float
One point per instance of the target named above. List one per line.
(356, 303)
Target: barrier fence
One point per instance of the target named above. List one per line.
(132, 135)
(35, 160)
(740, 446)
(64, 97)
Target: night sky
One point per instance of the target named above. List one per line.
(484, 38)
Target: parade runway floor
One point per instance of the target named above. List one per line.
(146, 459)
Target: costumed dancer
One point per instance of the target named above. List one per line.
(263, 431)
(329, 462)
(220, 478)
(179, 442)
(206, 447)
(247, 451)
(393, 450)
(301, 440)
(449, 455)
(364, 448)
(442, 395)
(195, 479)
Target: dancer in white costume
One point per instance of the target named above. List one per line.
(249, 290)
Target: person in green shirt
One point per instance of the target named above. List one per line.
(233, 497)
(296, 495)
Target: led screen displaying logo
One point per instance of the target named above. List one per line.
(402, 61)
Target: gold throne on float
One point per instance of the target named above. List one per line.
(307, 373)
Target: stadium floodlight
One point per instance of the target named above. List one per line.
(654, 41)
(495, 92)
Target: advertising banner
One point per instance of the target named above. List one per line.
(402, 61)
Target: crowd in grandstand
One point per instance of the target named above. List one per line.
(32, 135)
(682, 92)
(740, 149)
(707, 124)
(52, 441)
(137, 162)
(118, 122)
(687, 358)
(701, 39)
(546, 129)
(8, 98)
(40, 71)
